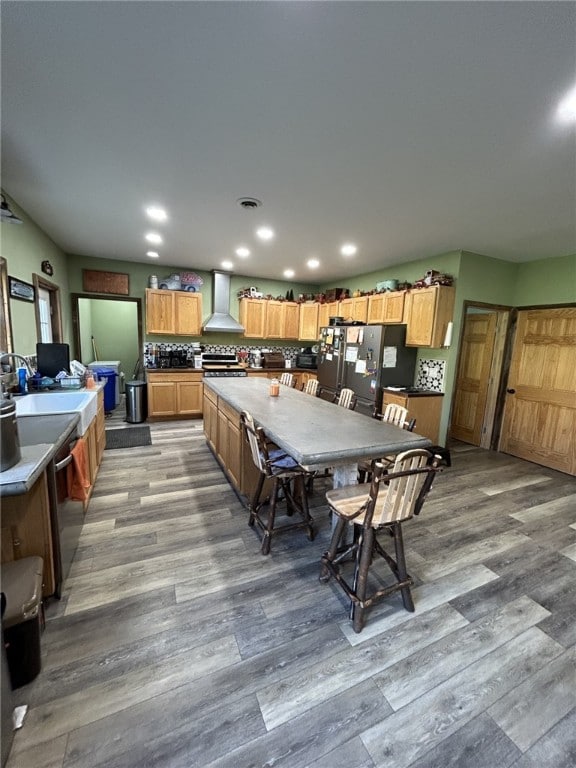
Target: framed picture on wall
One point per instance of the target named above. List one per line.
(18, 289)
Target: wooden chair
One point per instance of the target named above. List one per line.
(392, 499)
(288, 379)
(288, 484)
(345, 399)
(393, 414)
(312, 388)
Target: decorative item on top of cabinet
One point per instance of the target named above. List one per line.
(173, 312)
(428, 312)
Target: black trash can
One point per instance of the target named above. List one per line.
(136, 411)
(23, 618)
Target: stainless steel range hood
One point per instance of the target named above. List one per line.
(221, 321)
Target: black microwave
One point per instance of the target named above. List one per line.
(306, 360)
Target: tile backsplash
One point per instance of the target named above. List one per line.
(430, 375)
(229, 349)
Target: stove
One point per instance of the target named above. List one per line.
(217, 365)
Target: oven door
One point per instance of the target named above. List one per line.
(66, 515)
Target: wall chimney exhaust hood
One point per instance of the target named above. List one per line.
(221, 321)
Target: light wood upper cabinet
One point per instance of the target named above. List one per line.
(386, 307)
(173, 312)
(308, 326)
(323, 315)
(253, 317)
(281, 320)
(428, 312)
(269, 319)
(354, 309)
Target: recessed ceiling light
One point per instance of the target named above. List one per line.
(242, 252)
(156, 213)
(313, 263)
(349, 249)
(567, 108)
(227, 265)
(154, 237)
(152, 254)
(265, 233)
(289, 273)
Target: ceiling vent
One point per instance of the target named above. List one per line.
(248, 203)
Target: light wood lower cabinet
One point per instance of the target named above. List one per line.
(26, 530)
(426, 409)
(174, 394)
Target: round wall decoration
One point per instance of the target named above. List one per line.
(47, 268)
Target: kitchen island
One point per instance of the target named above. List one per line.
(316, 433)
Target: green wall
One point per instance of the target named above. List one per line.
(547, 281)
(25, 246)
(114, 328)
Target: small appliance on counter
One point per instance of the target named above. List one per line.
(273, 360)
(256, 359)
(221, 364)
(307, 359)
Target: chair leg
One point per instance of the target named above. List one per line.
(401, 566)
(329, 556)
(254, 504)
(361, 581)
(268, 529)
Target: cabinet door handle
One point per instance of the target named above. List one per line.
(511, 391)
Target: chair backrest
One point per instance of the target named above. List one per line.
(395, 414)
(400, 493)
(255, 440)
(287, 379)
(311, 387)
(346, 399)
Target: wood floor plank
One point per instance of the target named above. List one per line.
(285, 700)
(522, 719)
(410, 732)
(556, 749)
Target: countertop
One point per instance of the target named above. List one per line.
(40, 439)
(313, 431)
(248, 370)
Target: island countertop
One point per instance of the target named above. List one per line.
(313, 431)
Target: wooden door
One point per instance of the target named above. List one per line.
(308, 322)
(376, 308)
(189, 397)
(188, 313)
(253, 317)
(540, 410)
(473, 377)
(290, 317)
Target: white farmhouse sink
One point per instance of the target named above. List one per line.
(48, 403)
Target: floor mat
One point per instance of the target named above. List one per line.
(128, 437)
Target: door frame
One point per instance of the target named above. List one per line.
(75, 297)
(55, 307)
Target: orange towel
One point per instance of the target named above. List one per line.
(78, 473)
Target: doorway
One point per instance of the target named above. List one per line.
(108, 328)
(475, 414)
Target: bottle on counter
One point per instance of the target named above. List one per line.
(90, 383)
(22, 387)
(274, 388)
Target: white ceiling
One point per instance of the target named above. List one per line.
(408, 128)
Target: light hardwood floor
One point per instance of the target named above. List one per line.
(177, 645)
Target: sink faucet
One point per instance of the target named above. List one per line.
(19, 357)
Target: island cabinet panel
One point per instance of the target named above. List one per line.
(211, 417)
(426, 409)
(26, 530)
(428, 312)
(100, 427)
(174, 394)
(308, 321)
(229, 445)
(175, 313)
(253, 317)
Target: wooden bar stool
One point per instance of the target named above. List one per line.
(392, 499)
(346, 398)
(288, 484)
(312, 388)
(393, 414)
(288, 379)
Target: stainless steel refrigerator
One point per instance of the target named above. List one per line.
(365, 358)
